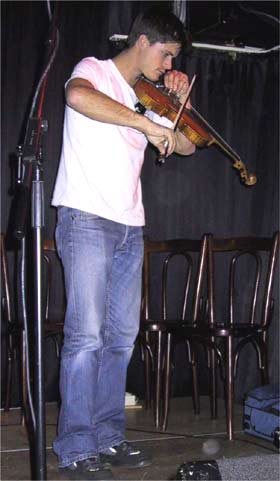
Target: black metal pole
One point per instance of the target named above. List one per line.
(37, 225)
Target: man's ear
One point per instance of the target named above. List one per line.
(143, 41)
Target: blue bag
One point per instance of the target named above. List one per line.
(261, 413)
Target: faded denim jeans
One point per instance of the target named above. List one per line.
(102, 263)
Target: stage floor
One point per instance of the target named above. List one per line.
(186, 439)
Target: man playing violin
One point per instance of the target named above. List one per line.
(99, 238)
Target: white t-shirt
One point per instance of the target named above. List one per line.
(100, 164)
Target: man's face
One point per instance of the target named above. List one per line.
(157, 58)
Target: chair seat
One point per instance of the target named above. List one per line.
(223, 330)
(151, 325)
(51, 324)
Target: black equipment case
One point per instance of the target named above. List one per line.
(261, 413)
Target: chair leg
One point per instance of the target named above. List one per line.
(195, 396)
(23, 379)
(158, 370)
(191, 353)
(11, 356)
(167, 375)
(229, 389)
(147, 381)
(264, 375)
(264, 366)
(213, 383)
(10, 366)
(147, 366)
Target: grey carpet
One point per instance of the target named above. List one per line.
(265, 467)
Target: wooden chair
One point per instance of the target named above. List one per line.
(247, 266)
(14, 330)
(178, 263)
(11, 331)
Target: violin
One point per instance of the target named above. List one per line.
(160, 100)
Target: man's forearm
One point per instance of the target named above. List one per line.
(183, 145)
(98, 106)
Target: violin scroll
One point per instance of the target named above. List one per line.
(248, 179)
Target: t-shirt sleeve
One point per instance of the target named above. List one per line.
(89, 69)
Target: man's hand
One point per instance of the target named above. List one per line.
(178, 83)
(161, 137)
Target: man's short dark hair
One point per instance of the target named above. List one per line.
(159, 25)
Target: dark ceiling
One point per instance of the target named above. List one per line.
(249, 23)
(241, 24)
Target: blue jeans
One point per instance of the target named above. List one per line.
(102, 263)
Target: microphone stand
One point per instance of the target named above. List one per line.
(31, 189)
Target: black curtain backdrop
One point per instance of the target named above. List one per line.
(238, 95)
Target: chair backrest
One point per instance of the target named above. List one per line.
(174, 269)
(247, 266)
(51, 260)
(54, 283)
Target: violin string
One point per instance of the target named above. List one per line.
(221, 142)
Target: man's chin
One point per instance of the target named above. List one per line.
(154, 77)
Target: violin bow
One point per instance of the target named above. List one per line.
(175, 123)
(161, 158)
